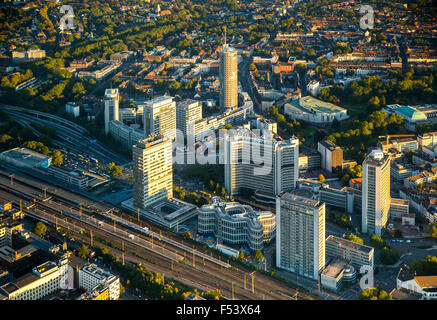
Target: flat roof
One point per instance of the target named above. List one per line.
(321, 106)
(347, 243)
(335, 268)
(299, 198)
(27, 156)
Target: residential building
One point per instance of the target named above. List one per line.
(152, 171)
(237, 224)
(375, 192)
(111, 101)
(160, 117)
(300, 235)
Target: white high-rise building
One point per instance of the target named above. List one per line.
(152, 171)
(300, 234)
(111, 107)
(91, 275)
(278, 172)
(187, 111)
(228, 69)
(376, 192)
(160, 117)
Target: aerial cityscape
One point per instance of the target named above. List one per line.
(223, 150)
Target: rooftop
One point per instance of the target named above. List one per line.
(347, 243)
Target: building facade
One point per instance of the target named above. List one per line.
(90, 276)
(331, 156)
(354, 253)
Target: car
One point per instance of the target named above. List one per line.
(408, 241)
(401, 240)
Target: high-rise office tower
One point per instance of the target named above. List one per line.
(228, 77)
(152, 171)
(160, 117)
(376, 192)
(280, 156)
(300, 234)
(111, 107)
(187, 111)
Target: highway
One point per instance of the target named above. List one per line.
(197, 267)
(69, 132)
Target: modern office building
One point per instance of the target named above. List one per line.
(160, 117)
(332, 156)
(278, 172)
(228, 69)
(201, 127)
(237, 224)
(300, 234)
(41, 282)
(111, 107)
(375, 192)
(354, 253)
(187, 111)
(91, 276)
(152, 171)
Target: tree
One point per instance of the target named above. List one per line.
(40, 229)
(321, 178)
(258, 256)
(84, 252)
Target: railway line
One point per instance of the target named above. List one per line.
(196, 265)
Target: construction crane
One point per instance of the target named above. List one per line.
(394, 136)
